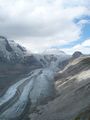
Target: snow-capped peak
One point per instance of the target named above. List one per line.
(54, 51)
(10, 51)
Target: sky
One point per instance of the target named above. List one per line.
(45, 24)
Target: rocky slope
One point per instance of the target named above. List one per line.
(73, 94)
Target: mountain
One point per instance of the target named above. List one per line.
(72, 101)
(52, 57)
(76, 54)
(54, 51)
(10, 52)
(13, 53)
(47, 86)
(15, 62)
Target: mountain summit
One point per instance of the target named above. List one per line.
(54, 51)
(13, 55)
(77, 54)
(11, 52)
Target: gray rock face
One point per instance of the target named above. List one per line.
(77, 54)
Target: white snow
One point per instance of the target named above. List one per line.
(42, 85)
(16, 51)
(51, 60)
(54, 51)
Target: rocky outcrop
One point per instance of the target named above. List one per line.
(76, 54)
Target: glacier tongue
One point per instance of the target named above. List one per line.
(34, 88)
(43, 86)
(16, 109)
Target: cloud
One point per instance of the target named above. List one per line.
(86, 43)
(84, 47)
(42, 23)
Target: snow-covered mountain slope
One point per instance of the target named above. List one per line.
(15, 61)
(53, 51)
(52, 58)
(13, 53)
(10, 51)
(73, 94)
